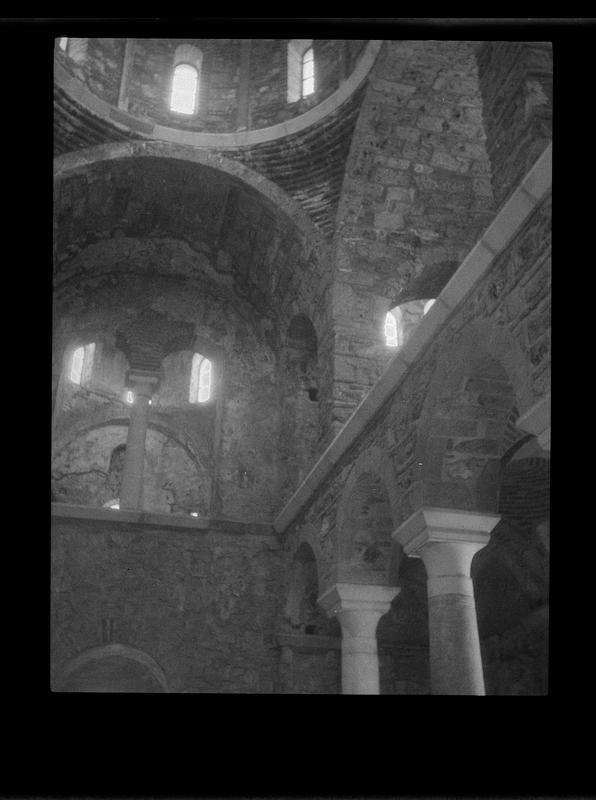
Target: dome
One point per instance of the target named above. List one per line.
(245, 91)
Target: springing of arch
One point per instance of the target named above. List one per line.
(365, 520)
(200, 379)
(81, 364)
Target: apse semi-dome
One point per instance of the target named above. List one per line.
(211, 92)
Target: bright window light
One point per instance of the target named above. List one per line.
(184, 89)
(200, 379)
(81, 363)
(130, 398)
(427, 305)
(115, 504)
(76, 365)
(308, 72)
(391, 330)
(63, 43)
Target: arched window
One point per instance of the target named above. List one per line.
(308, 72)
(392, 328)
(73, 47)
(200, 379)
(81, 364)
(301, 69)
(185, 85)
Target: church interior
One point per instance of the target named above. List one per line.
(301, 366)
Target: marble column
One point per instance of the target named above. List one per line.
(536, 421)
(358, 607)
(143, 385)
(446, 540)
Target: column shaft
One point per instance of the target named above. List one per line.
(131, 492)
(359, 607)
(447, 540)
(455, 658)
(359, 662)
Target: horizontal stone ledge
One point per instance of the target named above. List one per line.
(155, 519)
(306, 642)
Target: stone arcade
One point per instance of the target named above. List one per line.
(261, 482)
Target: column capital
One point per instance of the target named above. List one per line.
(536, 420)
(358, 597)
(446, 525)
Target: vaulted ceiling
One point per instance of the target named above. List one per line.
(229, 229)
(308, 165)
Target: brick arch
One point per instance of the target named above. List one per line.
(483, 379)
(366, 519)
(95, 654)
(77, 161)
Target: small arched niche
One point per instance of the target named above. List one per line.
(365, 537)
(300, 400)
(301, 354)
(115, 469)
(302, 614)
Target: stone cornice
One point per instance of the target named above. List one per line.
(154, 519)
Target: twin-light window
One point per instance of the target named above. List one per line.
(201, 374)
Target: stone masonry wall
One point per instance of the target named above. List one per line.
(200, 602)
(517, 85)
(98, 64)
(515, 295)
(415, 198)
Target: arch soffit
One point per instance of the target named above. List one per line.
(70, 163)
(106, 651)
(481, 339)
(375, 461)
(314, 316)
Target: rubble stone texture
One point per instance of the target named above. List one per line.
(278, 261)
